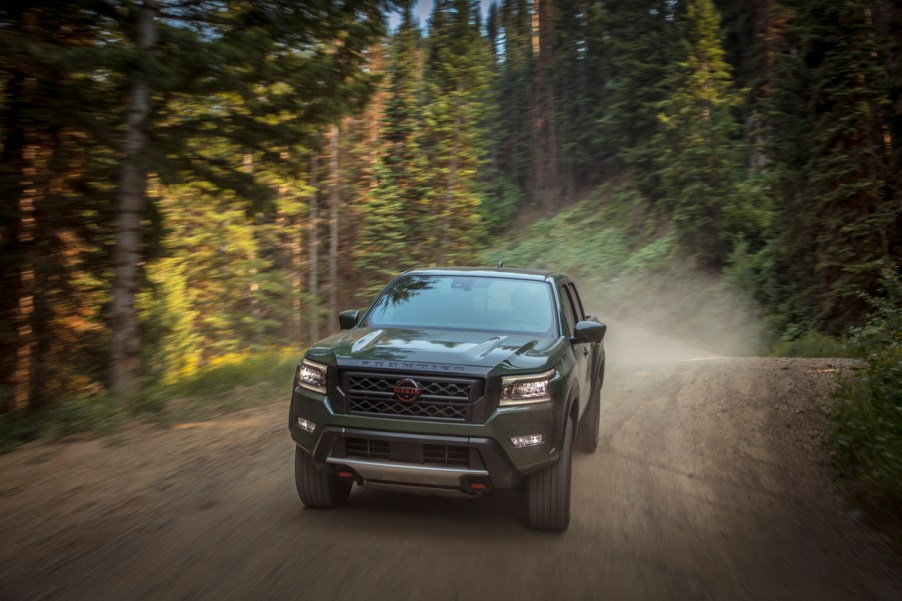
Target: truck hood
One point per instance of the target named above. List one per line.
(508, 352)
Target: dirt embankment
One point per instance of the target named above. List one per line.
(710, 482)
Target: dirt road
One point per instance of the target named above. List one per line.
(709, 483)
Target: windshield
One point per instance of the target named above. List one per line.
(466, 303)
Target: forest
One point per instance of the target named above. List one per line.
(192, 183)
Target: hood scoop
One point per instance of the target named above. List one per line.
(367, 342)
(484, 348)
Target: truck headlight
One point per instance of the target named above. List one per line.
(527, 389)
(312, 376)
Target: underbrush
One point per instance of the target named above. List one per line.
(227, 384)
(612, 233)
(867, 415)
(69, 416)
(812, 344)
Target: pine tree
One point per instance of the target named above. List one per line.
(54, 199)
(143, 90)
(456, 76)
(362, 151)
(696, 158)
(501, 197)
(637, 41)
(213, 267)
(511, 134)
(836, 175)
(752, 37)
(396, 213)
(273, 43)
(546, 166)
(579, 81)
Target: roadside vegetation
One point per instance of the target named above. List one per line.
(228, 383)
(867, 416)
(811, 344)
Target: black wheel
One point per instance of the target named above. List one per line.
(548, 491)
(587, 436)
(318, 490)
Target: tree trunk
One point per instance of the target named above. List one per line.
(17, 175)
(297, 288)
(295, 247)
(546, 174)
(290, 255)
(13, 256)
(253, 286)
(130, 206)
(449, 190)
(313, 251)
(334, 201)
(26, 347)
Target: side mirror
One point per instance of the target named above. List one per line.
(589, 331)
(348, 319)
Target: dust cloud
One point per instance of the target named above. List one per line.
(678, 315)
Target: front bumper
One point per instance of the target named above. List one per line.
(409, 474)
(407, 453)
(400, 461)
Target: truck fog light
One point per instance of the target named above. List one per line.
(306, 426)
(530, 440)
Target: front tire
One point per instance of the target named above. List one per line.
(548, 491)
(318, 490)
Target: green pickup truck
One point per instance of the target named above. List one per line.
(454, 382)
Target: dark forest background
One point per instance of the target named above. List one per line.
(186, 183)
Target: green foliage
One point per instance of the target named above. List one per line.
(178, 348)
(578, 60)
(56, 182)
(835, 181)
(499, 208)
(695, 144)
(636, 40)
(426, 206)
(216, 289)
(606, 237)
(235, 89)
(510, 132)
(399, 202)
(811, 344)
(228, 383)
(867, 416)
(70, 416)
(457, 75)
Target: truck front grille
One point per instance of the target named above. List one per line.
(443, 399)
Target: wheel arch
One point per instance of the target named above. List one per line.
(570, 410)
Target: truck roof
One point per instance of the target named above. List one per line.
(520, 274)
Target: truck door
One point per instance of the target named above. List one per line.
(580, 349)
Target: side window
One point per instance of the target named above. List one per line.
(577, 303)
(569, 312)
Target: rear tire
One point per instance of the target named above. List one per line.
(587, 436)
(548, 491)
(318, 490)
